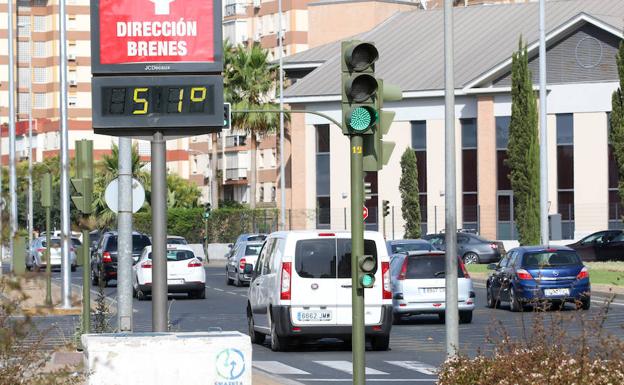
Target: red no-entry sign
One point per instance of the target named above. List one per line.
(365, 212)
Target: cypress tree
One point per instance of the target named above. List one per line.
(617, 122)
(408, 186)
(523, 150)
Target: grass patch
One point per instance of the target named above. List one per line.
(600, 273)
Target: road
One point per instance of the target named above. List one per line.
(417, 345)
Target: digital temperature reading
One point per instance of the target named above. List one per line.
(139, 100)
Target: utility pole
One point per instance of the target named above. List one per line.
(12, 172)
(65, 218)
(30, 163)
(543, 126)
(159, 233)
(124, 233)
(46, 202)
(452, 311)
(280, 36)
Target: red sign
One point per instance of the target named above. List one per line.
(156, 31)
(365, 212)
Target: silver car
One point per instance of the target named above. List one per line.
(241, 262)
(36, 255)
(418, 286)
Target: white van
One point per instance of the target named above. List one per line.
(301, 287)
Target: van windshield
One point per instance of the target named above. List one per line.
(316, 258)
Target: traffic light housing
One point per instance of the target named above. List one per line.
(46, 190)
(367, 266)
(83, 183)
(359, 87)
(377, 151)
(386, 208)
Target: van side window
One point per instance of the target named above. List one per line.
(276, 254)
(268, 258)
(344, 255)
(261, 258)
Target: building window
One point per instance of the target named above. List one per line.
(261, 195)
(505, 223)
(615, 205)
(41, 75)
(23, 52)
(469, 174)
(23, 102)
(40, 24)
(23, 77)
(40, 49)
(565, 173)
(419, 144)
(273, 194)
(323, 207)
(41, 100)
(23, 25)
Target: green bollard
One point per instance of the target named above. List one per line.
(19, 255)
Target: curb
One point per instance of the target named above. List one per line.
(260, 377)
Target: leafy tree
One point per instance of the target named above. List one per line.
(408, 186)
(248, 81)
(617, 122)
(523, 149)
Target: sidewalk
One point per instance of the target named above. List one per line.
(33, 286)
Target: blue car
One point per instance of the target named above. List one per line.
(532, 274)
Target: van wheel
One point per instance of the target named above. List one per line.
(278, 344)
(442, 317)
(254, 336)
(141, 295)
(397, 319)
(465, 317)
(380, 343)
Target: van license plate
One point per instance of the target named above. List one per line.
(175, 281)
(556, 292)
(431, 290)
(314, 315)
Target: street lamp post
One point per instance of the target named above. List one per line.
(30, 106)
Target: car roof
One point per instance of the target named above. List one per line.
(175, 237)
(401, 241)
(173, 247)
(541, 248)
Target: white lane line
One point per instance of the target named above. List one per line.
(276, 367)
(416, 366)
(347, 367)
(231, 292)
(369, 380)
(217, 289)
(243, 295)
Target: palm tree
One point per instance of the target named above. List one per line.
(249, 80)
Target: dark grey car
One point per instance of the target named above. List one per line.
(470, 247)
(399, 246)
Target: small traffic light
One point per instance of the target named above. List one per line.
(386, 208)
(83, 183)
(367, 266)
(368, 191)
(227, 116)
(207, 207)
(359, 87)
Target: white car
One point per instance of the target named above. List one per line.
(301, 287)
(185, 273)
(36, 255)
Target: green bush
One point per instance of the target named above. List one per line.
(224, 225)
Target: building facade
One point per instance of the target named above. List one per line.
(581, 72)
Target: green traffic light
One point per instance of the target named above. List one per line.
(368, 280)
(361, 118)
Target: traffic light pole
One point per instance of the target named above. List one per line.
(159, 233)
(86, 282)
(357, 249)
(48, 300)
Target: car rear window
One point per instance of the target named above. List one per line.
(550, 258)
(411, 246)
(256, 238)
(139, 242)
(53, 243)
(316, 258)
(428, 267)
(176, 241)
(253, 249)
(177, 255)
(76, 242)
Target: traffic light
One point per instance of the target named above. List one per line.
(367, 266)
(376, 151)
(368, 191)
(83, 183)
(386, 208)
(359, 87)
(207, 208)
(227, 116)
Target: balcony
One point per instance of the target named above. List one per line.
(235, 141)
(235, 173)
(234, 9)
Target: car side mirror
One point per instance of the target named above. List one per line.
(230, 245)
(492, 266)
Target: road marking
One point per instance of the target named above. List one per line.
(368, 380)
(217, 289)
(231, 292)
(276, 367)
(415, 365)
(347, 367)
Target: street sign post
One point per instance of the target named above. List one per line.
(157, 74)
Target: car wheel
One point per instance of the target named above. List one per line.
(442, 317)
(380, 343)
(492, 302)
(134, 292)
(228, 280)
(141, 295)
(465, 317)
(73, 268)
(470, 258)
(94, 278)
(278, 344)
(397, 319)
(256, 338)
(198, 294)
(514, 302)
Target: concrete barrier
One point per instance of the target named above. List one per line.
(198, 250)
(204, 358)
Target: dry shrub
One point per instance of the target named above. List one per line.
(22, 357)
(550, 351)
